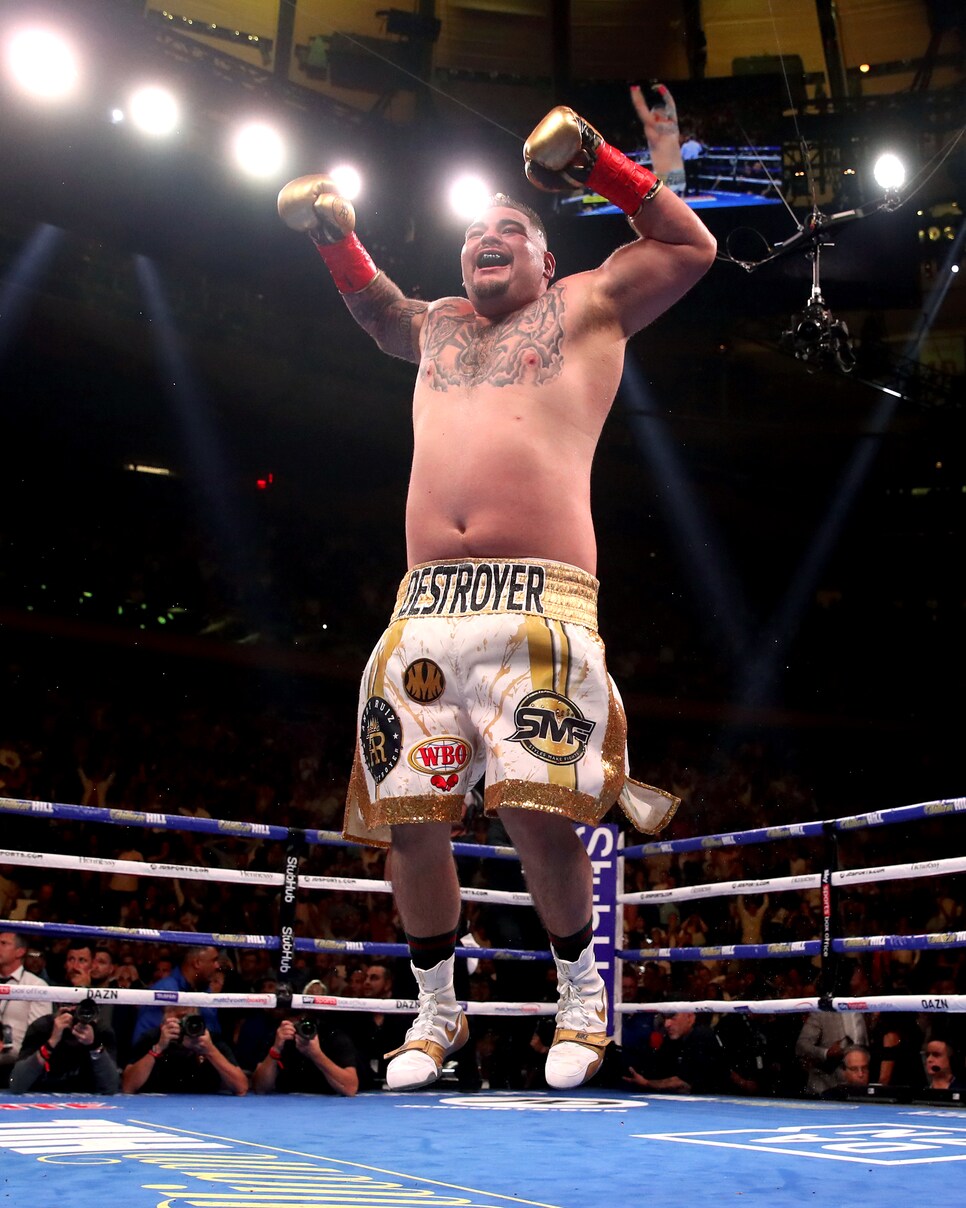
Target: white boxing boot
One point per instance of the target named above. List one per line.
(581, 1036)
(440, 1028)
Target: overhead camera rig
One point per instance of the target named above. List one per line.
(814, 334)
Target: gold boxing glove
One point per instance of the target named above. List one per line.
(565, 152)
(312, 204)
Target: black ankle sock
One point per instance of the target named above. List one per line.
(569, 947)
(426, 951)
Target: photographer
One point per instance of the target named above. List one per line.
(182, 1058)
(70, 1050)
(304, 1060)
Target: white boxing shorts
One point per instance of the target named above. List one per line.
(488, 668)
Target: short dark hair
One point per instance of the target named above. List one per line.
(502, 199)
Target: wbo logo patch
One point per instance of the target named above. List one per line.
(442, 759)
(551, 727)
(423, 681)
(380, 737)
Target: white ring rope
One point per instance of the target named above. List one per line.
(851, 876)
(236, 875)
(468, 894)
(953, 1003)
(302, 1002)
(141, 868)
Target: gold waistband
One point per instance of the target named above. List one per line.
(480, 586)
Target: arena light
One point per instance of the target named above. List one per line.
(347, 181)
(154, 111)
(889, 172)
(259, 150)
(43, 64)
(468, 194)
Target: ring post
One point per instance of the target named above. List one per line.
(603, 844)
(286, 912)
(828, 965)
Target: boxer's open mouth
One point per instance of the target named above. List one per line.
(492, 259)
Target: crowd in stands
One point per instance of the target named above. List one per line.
(208, 758)
(103, 1046)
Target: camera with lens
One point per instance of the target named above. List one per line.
(86, 1011)
(306, 1027)
(191, 1027)
(816, 336)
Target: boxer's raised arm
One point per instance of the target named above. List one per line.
(313, 205)
(674, 249)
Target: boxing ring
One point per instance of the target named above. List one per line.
(584, 1148)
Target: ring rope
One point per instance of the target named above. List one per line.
(863, 943)
(214, 826)
(221, 940)
(850, 876)
(767, 834)
(183, 872)
(235, 875)
(468, 893)
(953, 1003)
(306, 1002)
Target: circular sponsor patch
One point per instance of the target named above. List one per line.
(444, 754)
(551, 727)
(379, 737)
(423, 681)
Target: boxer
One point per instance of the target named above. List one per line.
(491, 661)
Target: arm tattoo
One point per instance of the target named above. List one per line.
(383, 311)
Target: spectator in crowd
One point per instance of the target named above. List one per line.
(102, 967)
(78, 962)
(659, 116)
(15, 1017)
(826, 1035)
(689, 1061)
(896, 1042)
(744, 1043)
(856, 1066)
(938, 1056)
(374, 1033)
(181, 1057)
(309, 1059)
(822, 1043)
(35, 962)
(67, 1051)
(691, 152)
(198, 965)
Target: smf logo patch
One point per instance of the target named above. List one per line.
(423, 681)
(379, 737)
(442, 759)
(551, 727)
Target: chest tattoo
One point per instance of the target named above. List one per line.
(527, 347)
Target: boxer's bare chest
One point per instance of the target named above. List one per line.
(525, 348)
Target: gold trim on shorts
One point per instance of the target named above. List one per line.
(472, 587)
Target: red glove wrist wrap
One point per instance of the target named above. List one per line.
(349, 263)
(620, 179)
